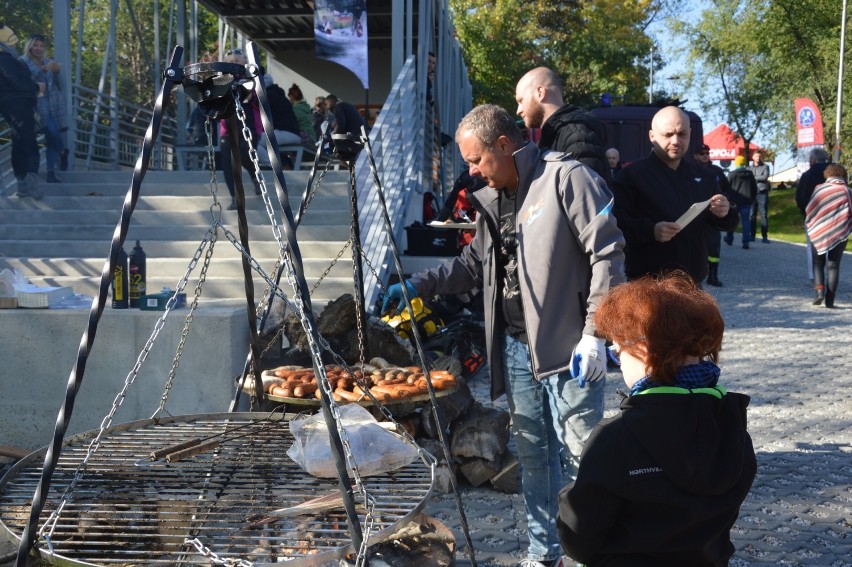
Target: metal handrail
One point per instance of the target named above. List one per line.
(94, 135)
(396, 141)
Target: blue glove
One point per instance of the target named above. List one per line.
(588, 361)
(395, 294)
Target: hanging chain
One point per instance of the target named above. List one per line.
(331, 265)
(372, 269)
(216, 206)
(312, 190)
(188, 322)
(310, 329)
(206, 552)
(357, 296)
(50, 523)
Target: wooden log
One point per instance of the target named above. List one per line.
(481, 433)
(508, 480)
(13, 452)
(478, 471)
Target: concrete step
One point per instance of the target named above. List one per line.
(199, 202)
(64, 239)
(158, 177)
(185, 249)
(148, 233)
(294, 188)
(217, 288)
(166, 267)
(321, 211)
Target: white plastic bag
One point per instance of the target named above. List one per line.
(375, 449)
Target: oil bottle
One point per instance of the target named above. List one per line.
(136, 275)
(119, 282)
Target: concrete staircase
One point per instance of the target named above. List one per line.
(64, 239)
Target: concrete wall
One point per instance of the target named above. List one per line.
(38, 349)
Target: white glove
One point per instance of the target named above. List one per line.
(588, 361)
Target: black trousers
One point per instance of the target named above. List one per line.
(20, 114)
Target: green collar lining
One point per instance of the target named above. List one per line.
(717, 391)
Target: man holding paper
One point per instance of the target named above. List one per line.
(665, 205)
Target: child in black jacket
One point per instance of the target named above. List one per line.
(662, 482)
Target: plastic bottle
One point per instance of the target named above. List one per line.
(136, 275)
(119, 282)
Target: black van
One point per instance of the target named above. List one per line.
(627, 130)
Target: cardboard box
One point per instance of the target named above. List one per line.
(34, 297)
(8, 302)
(430, 241)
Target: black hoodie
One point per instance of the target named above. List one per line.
(578, 132)
(661, 483)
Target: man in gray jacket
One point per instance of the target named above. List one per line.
(547, 249)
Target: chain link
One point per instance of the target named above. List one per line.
(50, 524)
(188, 322)
(213, 557)
(216, 205)
(310, 331)
(331, 266)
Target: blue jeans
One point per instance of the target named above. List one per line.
(53, 140)
(551, 421)
(745, 221)
(760, 206)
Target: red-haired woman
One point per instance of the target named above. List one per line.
(661, 483)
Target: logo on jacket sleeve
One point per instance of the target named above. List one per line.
(533, 212)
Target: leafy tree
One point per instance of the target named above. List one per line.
(597, 47)
(751, 58)
(731, 68)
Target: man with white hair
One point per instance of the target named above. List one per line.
(651, 194)
(546, 251)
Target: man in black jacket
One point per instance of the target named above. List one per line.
(17, 106)
(714, 237)
(651, 194)
(284, 122)
(347, 119)
(743, 193)
(564, 127)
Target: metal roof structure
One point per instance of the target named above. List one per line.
(285, 26)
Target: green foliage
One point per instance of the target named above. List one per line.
(785, 218)
(596, 47)
(754, 57)
(27, 17)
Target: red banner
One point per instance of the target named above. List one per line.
(808, 123)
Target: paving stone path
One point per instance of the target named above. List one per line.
(795, 361)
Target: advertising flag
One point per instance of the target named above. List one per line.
(808, 123)
(340, 29)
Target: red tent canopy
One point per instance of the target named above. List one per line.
(725, 144)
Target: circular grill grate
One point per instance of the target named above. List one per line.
(128, 510)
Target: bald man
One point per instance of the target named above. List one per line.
(652, 193)
(564, 127)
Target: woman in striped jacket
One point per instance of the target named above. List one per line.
(828, 220)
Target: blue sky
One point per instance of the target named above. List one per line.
(672, 53)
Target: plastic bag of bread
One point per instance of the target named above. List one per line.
(375, 449)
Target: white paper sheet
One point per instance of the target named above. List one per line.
(692, 212)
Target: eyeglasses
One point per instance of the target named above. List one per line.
(614, 354)
(234, 52)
